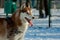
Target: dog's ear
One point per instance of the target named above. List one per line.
(23, 6)
(28, 5)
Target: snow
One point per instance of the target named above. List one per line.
(1, 10)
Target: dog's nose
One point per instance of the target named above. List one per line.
(33, 17)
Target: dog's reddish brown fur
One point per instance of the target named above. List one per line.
(2, 28)
(5, 27)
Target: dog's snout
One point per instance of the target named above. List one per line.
(33, 17)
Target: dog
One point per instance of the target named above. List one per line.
(14, 28)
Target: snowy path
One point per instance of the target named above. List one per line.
(40, 32)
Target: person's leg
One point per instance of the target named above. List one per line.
(40, 9)
(46, 7)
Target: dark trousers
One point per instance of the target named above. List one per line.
(46, 7)
(43, 5)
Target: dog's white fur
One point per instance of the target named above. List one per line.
(23, 28)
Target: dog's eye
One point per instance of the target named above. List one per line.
(27, 13)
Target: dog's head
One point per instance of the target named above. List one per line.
(23, 15)
(26, 14)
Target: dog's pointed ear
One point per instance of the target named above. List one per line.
(23, 6)
(28, 5)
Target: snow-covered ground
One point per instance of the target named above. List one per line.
(1, 10)
(53, 12)
(39, 30)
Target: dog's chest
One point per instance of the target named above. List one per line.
(22, 30)
(23, 27)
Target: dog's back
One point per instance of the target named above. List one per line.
(2, 28)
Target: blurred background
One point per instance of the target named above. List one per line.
(43, 6)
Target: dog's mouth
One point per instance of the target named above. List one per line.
(29, 21)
